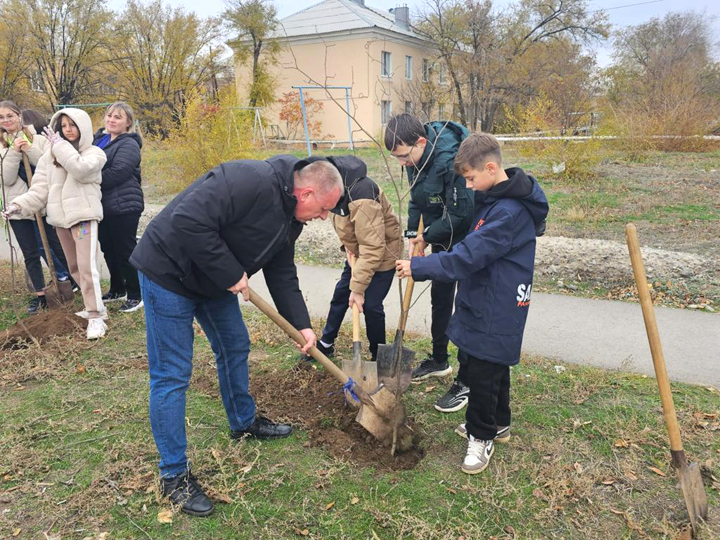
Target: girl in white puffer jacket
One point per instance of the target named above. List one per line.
(67, 182)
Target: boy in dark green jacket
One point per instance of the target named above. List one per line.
(439, 194)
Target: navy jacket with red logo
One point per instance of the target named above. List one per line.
(494, 266)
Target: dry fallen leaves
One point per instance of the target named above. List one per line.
(621, 443)
(165, 516)
(328, 506)
(354, 500)
(657, 471)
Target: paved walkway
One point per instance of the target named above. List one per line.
(603, 333)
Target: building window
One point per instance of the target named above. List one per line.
(408, 67)
(386, 68)
(425, 111)
(442, 76)
(385, 111)
(426, 70)
(409, 107)
(441, 111)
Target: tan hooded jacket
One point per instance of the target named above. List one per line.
(366, 223)
(12, 161)
(72, 191)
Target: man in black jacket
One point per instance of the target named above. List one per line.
(194, 257)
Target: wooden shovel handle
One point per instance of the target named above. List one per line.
(41, 228)
(409, 286)
(295, 334)
(653, 337)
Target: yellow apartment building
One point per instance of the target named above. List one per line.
(388, 67)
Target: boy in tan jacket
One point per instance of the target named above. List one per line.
(370, 234)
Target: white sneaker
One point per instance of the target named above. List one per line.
(96, 328)
(478, 455)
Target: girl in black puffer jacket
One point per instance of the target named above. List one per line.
(122, 201)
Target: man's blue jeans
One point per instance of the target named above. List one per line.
(169, 326)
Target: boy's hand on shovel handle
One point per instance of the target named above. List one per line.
(403, 269)
(356, 299)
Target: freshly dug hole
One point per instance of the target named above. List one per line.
(313, 399)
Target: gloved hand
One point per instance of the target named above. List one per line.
(51, 135)
(10, 210)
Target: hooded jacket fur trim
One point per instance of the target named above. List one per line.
(71, 191)
(12, 162)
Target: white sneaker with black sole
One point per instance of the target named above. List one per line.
(454, 399)
(478, 455)
(502, 436)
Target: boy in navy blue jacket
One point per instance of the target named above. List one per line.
(494, 266)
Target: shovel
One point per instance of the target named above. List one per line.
(690, 479)
(362, 371)
(394, 362)
(379, 412)
(57, 293)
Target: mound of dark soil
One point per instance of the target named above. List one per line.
(313, 399)
(41, 327)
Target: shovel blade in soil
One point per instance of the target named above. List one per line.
(693, 490)
(385, 419)
(395, 373)
(65, 294)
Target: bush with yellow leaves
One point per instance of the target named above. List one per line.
(209, 133)
(570, 160)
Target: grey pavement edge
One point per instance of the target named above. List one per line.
(603, 333)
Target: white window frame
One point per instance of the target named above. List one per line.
(385, 111)
(386, 64)
(408, 67)
(426, 70)
(442, 75)
(409, 108)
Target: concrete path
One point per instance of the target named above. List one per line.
(603, 333)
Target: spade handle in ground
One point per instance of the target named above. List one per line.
(689, 475)
(653, 337)
(43, 234)
(355, 310)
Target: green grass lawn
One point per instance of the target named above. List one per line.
(588, 456)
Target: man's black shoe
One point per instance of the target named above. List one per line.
(36, 304)
(184, 491)
(327, 351)
(262, 428)
(430, 368)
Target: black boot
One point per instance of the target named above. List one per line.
(184, 491)
(262, 428)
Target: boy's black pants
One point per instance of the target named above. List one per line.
(372, 307)
(117, 235)
(489, 405)
(24, 230)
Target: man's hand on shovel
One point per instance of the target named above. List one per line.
(241, 287)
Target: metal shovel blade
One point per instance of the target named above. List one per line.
(57, 297)
(394, 366)
(691, 485)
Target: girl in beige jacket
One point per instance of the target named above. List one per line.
(67, 182)
(18, 137)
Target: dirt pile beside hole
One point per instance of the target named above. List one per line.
(42, 327)
(312, 398)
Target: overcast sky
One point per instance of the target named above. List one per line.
(621, 12)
